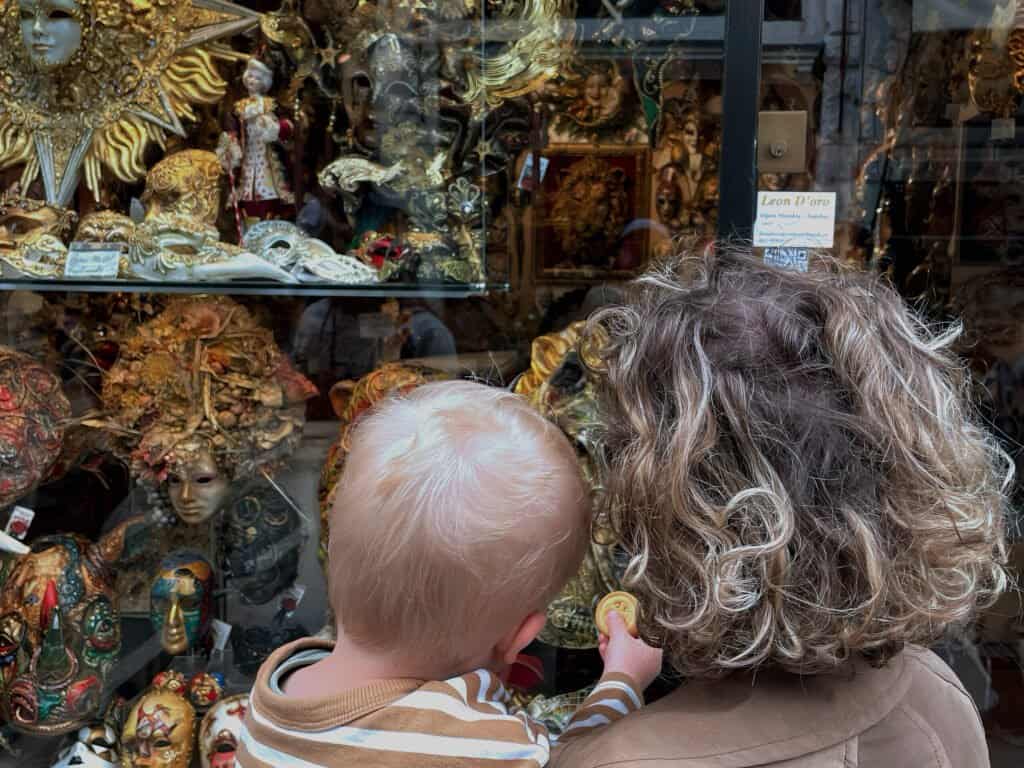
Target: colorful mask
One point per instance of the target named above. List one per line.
(60, 633)
(159, 731)
(218, 733)
(96, 748)
(181, 601)
(33, 410)
(262, 541)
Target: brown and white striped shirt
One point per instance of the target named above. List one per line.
(457, 723)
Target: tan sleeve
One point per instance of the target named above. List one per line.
(614, 697)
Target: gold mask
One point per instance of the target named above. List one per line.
(159, 731)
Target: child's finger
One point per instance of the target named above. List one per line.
(616, 625)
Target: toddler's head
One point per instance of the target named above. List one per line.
(461, 511)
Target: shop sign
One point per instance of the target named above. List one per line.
(795, 220)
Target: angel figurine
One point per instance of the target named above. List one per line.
(260, 188)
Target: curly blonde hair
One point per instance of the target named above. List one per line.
(794, 467)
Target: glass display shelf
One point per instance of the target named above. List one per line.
(257, 288)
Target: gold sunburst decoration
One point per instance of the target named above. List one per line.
(87, 85)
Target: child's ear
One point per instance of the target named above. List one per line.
(516, 640)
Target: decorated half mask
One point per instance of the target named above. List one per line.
(33, 410)
(181, 601)
(95, 747)
(21, 217)
(262, 541)
(60, 633)
(159, 731)
(218, 733)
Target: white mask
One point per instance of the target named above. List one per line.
(51, 31)
(95, 748)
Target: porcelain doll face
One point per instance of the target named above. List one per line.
(197, 487)
(256, 78)
(158, 732)
(218, 734)
(181, 601)
(51, 31)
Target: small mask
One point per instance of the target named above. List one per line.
(185, 185)
(218, 733)
(22, 217)
(181, 601)
(51, 31)
(159, 731)
(196, 485)
(96, 747)
(261, 545)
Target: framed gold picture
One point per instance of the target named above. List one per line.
(589, 218)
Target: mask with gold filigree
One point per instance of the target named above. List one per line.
(60, 633)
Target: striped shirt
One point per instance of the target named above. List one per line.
(457, 723)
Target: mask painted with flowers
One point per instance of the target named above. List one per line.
(218, 733)
(181, 601)
(60, 633)
(159, 730)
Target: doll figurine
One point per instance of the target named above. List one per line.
(248, 152)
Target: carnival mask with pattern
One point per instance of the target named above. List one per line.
(181, 601)
(218, 733)
(159, 731)
(96, 747)
(261, 544)
(60, 633)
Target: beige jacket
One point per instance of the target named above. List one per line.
(911, 714)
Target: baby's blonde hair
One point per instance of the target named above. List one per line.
(460, 511)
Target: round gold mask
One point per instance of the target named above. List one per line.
(159, 731)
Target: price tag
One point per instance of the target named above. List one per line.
(787, 258)
(795, 220)
(19, 521)
(95, 261)
(221, 632)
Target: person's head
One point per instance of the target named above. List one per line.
(460, 513)
(794, 468)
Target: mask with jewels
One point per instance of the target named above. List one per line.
(181, 601)
(60, 633)
(160, 728)
(96, 747)
(218, 733)
(262, 541)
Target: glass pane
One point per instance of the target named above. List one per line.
(909, 112)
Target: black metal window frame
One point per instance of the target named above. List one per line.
(741, 95)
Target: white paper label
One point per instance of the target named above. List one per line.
(787, 258)
(221, 632)
(795, 220)
(19, 521)
(100, 261)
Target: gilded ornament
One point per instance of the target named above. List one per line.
(87, 85)
(591, 210)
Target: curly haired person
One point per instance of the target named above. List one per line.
(808, 500)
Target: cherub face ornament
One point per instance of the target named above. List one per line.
(96, 748)
(218, 734)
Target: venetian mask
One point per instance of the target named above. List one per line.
(159, 731)
(105, 227)
(96, 747)
(668, 201)
(181, 601)
(60, 633)
(51, 31)
(185, 185)
(218, 733)
(21, 217)
(196, 486)
(261, 545)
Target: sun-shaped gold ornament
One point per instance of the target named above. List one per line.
(86, 85)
